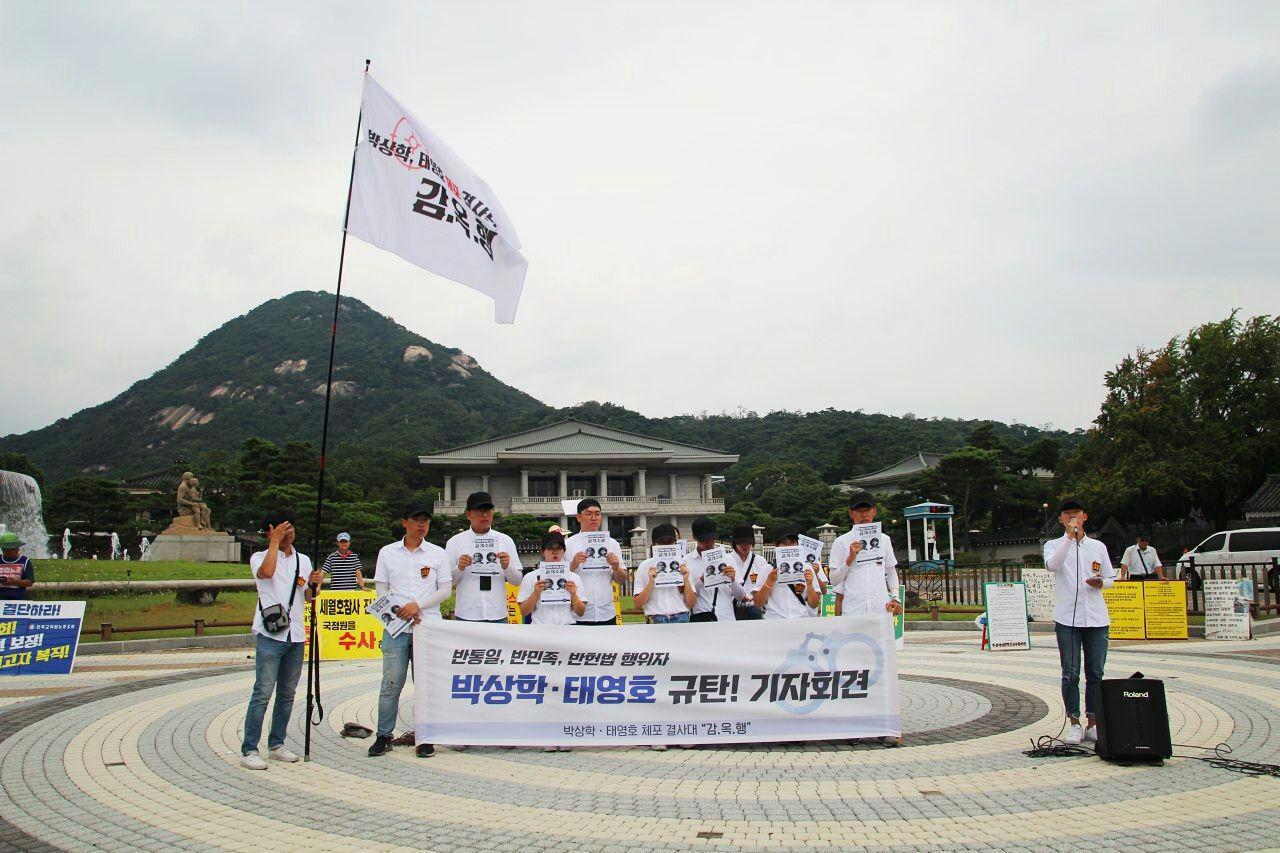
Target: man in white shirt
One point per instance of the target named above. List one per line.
(561, 611)
(597, 581)
(1141, 562)
(1081, 569)
(483, 562)
(718, 585)
(283, 576)
(864, 586)
(415, 573)
(782, 601)
(663, 603)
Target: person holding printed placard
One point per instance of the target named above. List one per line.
(597, 560)
(1141, 562)
(790, 590)
(662, 587)
(549, 593)
(1081, 569)
(483, 561)
(864, 583)
(285, 579)
(715, 576)
(415, 573)
(745, 563)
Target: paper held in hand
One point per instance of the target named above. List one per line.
(811, 546)
(385, 607)
(667, 561)
(789, 560)
(484, 557)
(557, 577)
(596, 547)
(872, 541)
(715, 562)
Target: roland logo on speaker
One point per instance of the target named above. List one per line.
(1135, 695)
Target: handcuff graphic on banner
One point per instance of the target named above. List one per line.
(818, 652)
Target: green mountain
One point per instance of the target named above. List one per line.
(262, 375)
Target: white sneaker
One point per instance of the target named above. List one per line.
(658, 747)
(252, 761)
(1091, 734)
(282, 754)
(1074, 735)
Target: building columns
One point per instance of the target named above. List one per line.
(706, 487)
(447, 495)
(641, 486)
(524, 482)
(604, 483)
(564, 483)
(672, 487)
(484, 482)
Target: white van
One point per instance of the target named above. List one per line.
(1255, 545)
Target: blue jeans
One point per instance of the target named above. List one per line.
(669, 618)
(277, 666)
(1094, 643)
(397, 654)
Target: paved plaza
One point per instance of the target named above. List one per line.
(141, 752)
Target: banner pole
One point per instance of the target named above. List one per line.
(313, 658)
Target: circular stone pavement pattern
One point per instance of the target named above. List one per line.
(141, 752)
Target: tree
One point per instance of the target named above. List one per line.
(99, 505)
(968, 478)
(19, 463)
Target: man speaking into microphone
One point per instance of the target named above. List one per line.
(1081, 569)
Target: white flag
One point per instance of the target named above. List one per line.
(415, 198)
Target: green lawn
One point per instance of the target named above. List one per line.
(112, 570)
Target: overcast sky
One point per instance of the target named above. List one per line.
(952, 209)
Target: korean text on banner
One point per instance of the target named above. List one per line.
(1165, 606)
(39, 637)
(1226, 609)
(348, 631)
(413, 196)
(788, 679)
(1007, 616)
(1125, 607)
(1040, 593)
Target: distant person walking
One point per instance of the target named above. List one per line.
(17, 572)
(343, 567)
(1141, 562)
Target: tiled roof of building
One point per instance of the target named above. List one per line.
(1265, 501)
(572, 437)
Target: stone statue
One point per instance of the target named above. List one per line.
(191, 501)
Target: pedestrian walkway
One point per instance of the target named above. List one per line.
(141, 752)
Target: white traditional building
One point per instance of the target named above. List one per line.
(639, 480)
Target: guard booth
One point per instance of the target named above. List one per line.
(928, 572)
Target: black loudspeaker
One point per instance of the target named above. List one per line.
(1133, 720)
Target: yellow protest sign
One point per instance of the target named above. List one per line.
(617, 604)
(1166, 609)
(513, 605)
(347, 631)
(1124, 603)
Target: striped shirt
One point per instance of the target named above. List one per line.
(342, 570)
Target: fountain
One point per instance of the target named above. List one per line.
(115, 545)
(66, 543)
(20, 513)
(144, 548)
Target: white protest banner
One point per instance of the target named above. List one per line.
(596, 547)
(811, 546)
(1040, 591)
(667, 560)
(39, 637)
(1226, 609)
(414, 197)
(542, 685)
(789, 561)
(557, 577)
(870, 537)
(1007, 616)
(385, 608)
(715, 561)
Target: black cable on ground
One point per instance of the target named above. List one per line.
(1220, 760)
(1048, 746)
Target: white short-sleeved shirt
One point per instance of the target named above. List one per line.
(666, 600)
(404, 572)
(1075, 603)
(470, 601)
(291, 569)
(717, 599)
(782, 602)
(1135, 558)
(550, 612)
(596, 585)
(866, 586)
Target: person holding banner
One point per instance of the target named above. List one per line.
(284, 578)
(864, 585)
(548, 595)
(415, 573)
(596, 558)
(1081, 569)
(775, 589)
(714, 575)
(661, 598)
(480, 579)
(1141, 562)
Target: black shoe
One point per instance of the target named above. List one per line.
(424, 750)
(381, 746)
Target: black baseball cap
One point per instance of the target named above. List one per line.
(664, 531)
(418, 508)
(551, 539)
(479, 500)
(586, 504)
(743, 532)
(704, 529)
(1069, 504)
(275, 518)
(789, 534)
(862, 500)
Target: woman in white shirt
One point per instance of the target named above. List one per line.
(564, 603)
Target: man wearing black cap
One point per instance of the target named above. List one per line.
(597, 583)
(1081, 569)
(480, 580)
(750, 570)
(415, 573)
(718, 584)
(663, 603)
(866, 586)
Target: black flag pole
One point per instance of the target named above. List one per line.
(313, 659)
